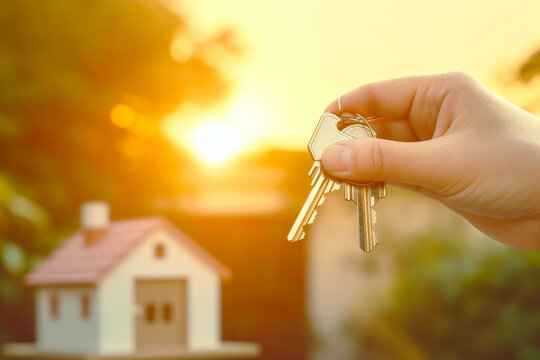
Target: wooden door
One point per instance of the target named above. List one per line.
(161, 319)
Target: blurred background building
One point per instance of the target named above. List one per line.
(201, 111)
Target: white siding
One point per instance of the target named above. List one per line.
(117, 294)
(69, 332)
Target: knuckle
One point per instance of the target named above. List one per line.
(367, 159)
(460, 78)
(377, 157)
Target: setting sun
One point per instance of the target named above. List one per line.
(215, 142)
(220, 134)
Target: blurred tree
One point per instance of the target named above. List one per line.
(456, 302)
(83, 86)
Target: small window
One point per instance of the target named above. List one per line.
(85, 306)
(159, 251)
(167, 312)
(149, 313)
(53, 306)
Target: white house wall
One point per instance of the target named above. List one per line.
(117, 294)
(68, 332)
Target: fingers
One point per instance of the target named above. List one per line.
(416, 188)
(360, 160)
(398, 129)
(391, 98)
(415, 101)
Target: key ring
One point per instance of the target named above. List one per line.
(357, 118)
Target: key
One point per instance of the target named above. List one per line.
(365, 196)
(325, 133)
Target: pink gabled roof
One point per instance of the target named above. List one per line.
(76, 263)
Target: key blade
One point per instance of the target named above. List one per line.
(308, 212)
(314, 214)
(307, 209)
(314, 169)
(315, 173)
(378, 190)
(366, 219)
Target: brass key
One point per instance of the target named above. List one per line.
(325, 133)
(365, 196)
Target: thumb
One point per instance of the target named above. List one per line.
(378, 159)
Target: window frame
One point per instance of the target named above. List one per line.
(160, 251)
(54, 306)
(150, 313)
(85, 306)
(167, 312)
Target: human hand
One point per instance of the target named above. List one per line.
(448, 137)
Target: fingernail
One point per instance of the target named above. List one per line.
(336, 158)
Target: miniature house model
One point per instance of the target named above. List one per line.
(124, 286)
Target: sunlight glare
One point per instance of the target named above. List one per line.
(215, 142)
(215, 138)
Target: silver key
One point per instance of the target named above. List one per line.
(365, 196)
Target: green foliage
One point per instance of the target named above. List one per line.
(64, 65)
(452, 301)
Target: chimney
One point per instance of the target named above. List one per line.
(94, 220)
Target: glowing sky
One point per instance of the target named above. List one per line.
(304, 53)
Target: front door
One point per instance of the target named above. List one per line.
(161, 319)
